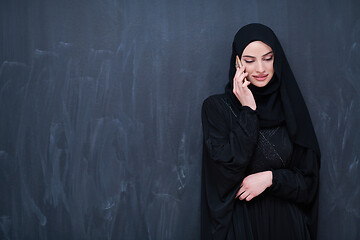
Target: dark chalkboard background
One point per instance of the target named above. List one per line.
(100, 131)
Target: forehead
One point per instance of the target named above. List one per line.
(256, 48)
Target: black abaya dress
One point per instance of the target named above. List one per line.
(234, 147)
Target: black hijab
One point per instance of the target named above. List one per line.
(280, 100)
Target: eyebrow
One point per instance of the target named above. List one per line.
(255, 57)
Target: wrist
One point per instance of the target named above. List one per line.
(253, 107)
(270, 178)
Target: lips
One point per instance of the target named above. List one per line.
(260, 77)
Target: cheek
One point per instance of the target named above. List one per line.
(270, 67)
(271, 71)
(249, 69)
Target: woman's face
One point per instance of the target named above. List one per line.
(258, 59)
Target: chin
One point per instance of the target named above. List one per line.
(260, 84)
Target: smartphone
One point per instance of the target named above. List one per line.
(238, 64)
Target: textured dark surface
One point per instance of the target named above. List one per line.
(100, 132)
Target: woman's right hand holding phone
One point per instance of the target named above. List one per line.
(241, 90)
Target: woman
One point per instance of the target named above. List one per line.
(261, 158)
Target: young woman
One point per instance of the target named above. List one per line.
(261, 158)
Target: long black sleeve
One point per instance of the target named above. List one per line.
(299, 183)
(229, 141)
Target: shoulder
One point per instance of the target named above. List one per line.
(223, 106)
(218, 107)
(223, 103)
(215, 101)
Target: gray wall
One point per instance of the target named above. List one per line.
(100, 131)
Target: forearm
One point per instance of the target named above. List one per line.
(294, 185)
(298, 183)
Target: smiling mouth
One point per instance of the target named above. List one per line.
(261, 77)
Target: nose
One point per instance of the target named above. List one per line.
(260, 68)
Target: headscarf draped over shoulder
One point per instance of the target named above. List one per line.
(281, 100)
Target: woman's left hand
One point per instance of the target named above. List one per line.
(254, 184)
